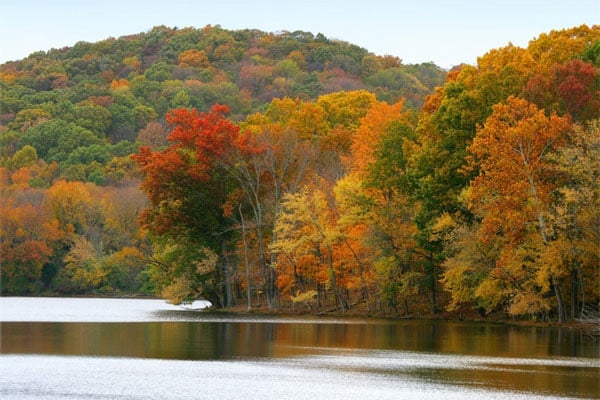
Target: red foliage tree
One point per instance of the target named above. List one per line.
(187, 185)
(572, 87)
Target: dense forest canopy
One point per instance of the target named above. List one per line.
(287, 170)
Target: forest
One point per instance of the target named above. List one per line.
(288, 172)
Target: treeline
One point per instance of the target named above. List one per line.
(70, 119)
(484, 199)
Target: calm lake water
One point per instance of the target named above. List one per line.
(55, 348)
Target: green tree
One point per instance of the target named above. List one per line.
(55, 139)
(25, 157)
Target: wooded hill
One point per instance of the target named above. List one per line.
(104, 96)
(289, 170)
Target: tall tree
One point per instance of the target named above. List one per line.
(277, 164)
(511, 194)
(187, 187)
(574, 216)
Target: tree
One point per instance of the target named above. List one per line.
(72, 206)
(187, 187)
(306, 240)
(354, 222)
(278, 164)
(55, 139)
(559, 46)
(345, 108)
(183, 271)
(83, 269)
(93, 117)
(472, 257)
(153, 135)
(372, 129)
(193, 58)
(28, 118)
(512, 194)
(573, 217)
(121, 207)
(25, 157)
(380, 153)
(449, 121)
(572, 87)
(125, 271)
(255, 78)
(28, 235)
(577, 87)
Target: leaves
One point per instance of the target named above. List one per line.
(27, 237)
(332, 195)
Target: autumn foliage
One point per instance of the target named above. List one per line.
(323, 184)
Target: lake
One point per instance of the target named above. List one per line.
(58, 348)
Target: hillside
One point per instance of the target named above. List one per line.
(244, 69)
(111, 91)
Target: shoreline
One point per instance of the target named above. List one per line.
(443, 316)
(591, 327)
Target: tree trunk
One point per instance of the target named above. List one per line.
(562, 315)
(319, 296)
(406, 311)
(339, 301)
(363, 282)
(272, 287)
(247, 264)
(432, 285)
(227, 280)
(434, 302)
(581, 288)
(574, 293)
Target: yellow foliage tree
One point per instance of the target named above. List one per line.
(307, 237)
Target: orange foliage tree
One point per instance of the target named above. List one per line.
(511, 195)
(28, 235)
